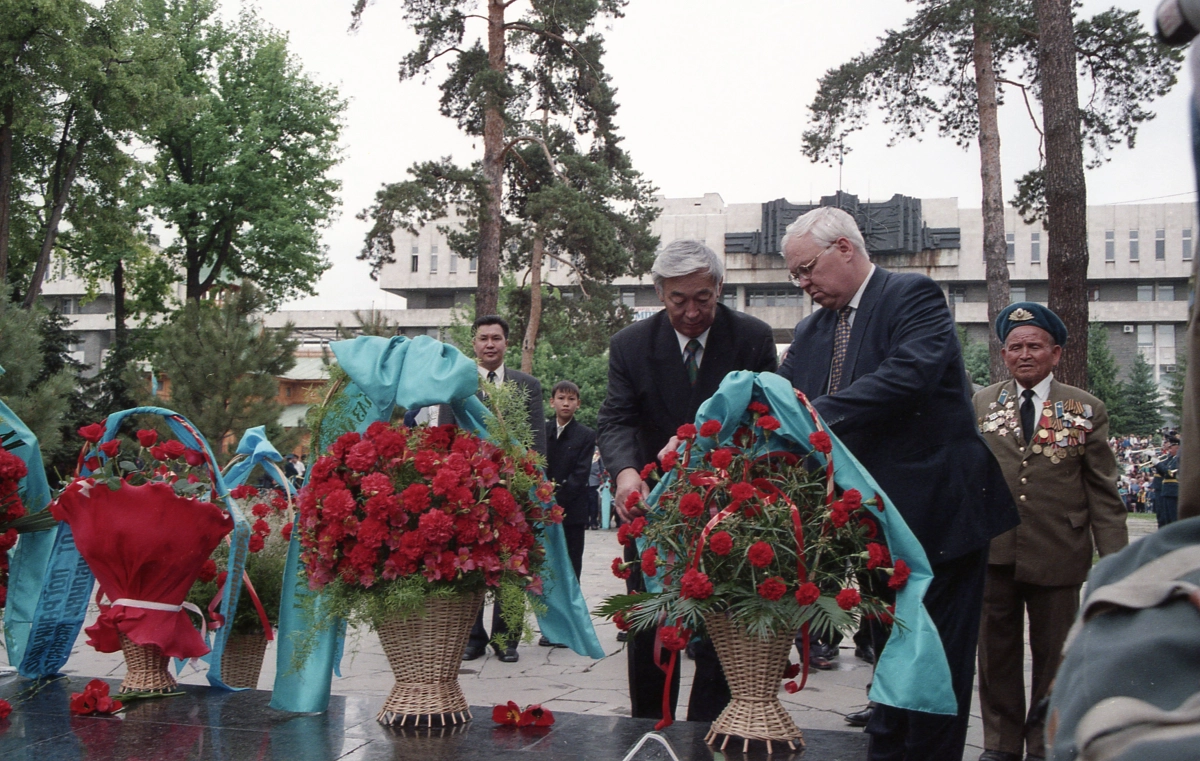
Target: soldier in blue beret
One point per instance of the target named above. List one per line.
(1051, 441)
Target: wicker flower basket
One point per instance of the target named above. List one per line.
(424, 651)
(754, 669)
(242, 660)
(147, 669)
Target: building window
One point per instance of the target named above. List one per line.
(1187, 244)
(1165, 335)
(1145, 293)
(1035, 248)
(1166, 293)
(553, 262)
(1145, 342)
(629, 298)
(788, 297)
(433, 264)
(1110, 245)
(453, 263)
(728, 298)
(416, 263)
(957, 296)
(1010, 248)
(1133, 246)
(473, 263)
(1016, 293)
(1160, 245)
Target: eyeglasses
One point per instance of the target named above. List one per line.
(804, 271)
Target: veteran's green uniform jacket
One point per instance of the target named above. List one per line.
(1064, 483)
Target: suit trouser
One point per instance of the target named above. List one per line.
(479, 637)
(954, 600)
(575, 534)
(710, 691)
(1007, 726)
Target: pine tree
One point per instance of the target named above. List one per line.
(1141, 406)
(975, 356)
(1102, 375)
(223, 367)
(1175, 388)
(38, 381)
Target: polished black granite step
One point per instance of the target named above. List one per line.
(237, 726)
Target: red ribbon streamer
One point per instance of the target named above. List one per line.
(219, 620)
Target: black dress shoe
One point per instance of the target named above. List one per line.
(865, 653)
(860, 718)
(509, 656)
(622, 636)
(999, 755)
(543, 642)
(472, 652)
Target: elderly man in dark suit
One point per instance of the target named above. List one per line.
(660, 370)
(882, 364)
(490, 342)
(1051, 440)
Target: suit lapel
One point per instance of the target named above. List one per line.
(666, 362)
(717, 361)
(817, 342)
(862, 320)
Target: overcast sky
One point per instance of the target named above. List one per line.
(713, 98)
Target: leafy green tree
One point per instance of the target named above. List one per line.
(534, 88)
(223, 367)
(1140, 409)
(975, 356)
(950, 64)
(243, 155)
(106, 76)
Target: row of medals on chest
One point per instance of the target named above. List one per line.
(1061, 430)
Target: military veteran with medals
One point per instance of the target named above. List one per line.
(1051, 441)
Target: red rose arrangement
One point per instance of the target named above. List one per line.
(118, 462)
(270, 529)
(393, 515)
(12, 470)
(753, 527)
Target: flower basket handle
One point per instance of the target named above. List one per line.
(62, 605)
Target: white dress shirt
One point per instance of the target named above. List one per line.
(683, 342)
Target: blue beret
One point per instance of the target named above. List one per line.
(1029, 313)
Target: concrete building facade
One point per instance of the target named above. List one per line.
(1140, 262)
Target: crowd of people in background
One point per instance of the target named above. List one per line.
(1149, 473)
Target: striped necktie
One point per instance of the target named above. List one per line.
(689, 359)
(841, 342)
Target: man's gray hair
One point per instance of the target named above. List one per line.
(826, 224)
(683, 257)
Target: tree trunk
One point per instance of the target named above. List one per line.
(994, 243)
(6, 181)
(118, 283)
(50, 233)
(535, 304)
(1066, 190)
(487, 290)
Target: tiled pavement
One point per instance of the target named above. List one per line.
(562, 680)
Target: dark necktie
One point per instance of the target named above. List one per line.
(689, 359)
(492, 377)
(1027, 414)
(841, 342)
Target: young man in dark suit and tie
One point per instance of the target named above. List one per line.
(490, 343)
(569, 448)
(882, 364)
(660, 370)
